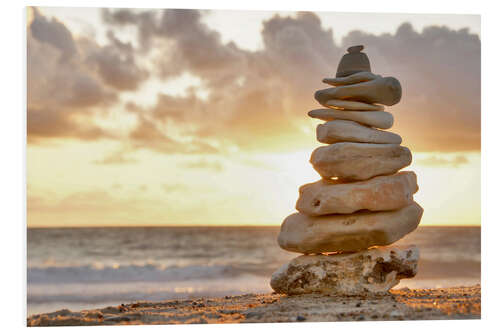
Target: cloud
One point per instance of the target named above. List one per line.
(75, 203)
(440, 71)
(253, 98)
(437, 161)
(43, 123)
(258, 100)
(256, 96)
(169, 188)
(116, 64)
(117, 157)
(55, 85)
(91, 208)
(149, 135)
(257, 163)
(143, 20)
(72, 81)
(215, 166)
(53, 33)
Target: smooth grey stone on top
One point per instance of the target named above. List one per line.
(353, 61)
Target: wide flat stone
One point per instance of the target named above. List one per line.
(359, 161)
(347, 232)
(379, 119)
(350, 131)
(351, 79)
(352, 105)
(383, 90)
(372, 271)
(328, 196)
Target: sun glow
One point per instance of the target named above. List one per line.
(237, 189)
(104, 153)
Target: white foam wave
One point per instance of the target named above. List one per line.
(131, 273)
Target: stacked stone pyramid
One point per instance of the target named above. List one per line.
(363, 203)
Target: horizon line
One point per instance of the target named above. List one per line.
(212, 226)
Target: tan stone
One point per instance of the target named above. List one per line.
(373, 271)
(350, 131)
(328, 196)
(379, 119)
(351, 79)
(359, 161)
(352, 105)
(383, 90)
(347, 232)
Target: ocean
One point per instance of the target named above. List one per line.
(84, 268)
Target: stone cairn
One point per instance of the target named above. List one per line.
(362, 203)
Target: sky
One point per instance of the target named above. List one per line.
(187, 117)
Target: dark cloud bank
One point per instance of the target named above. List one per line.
(254, 97)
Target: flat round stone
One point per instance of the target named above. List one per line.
(352, 105)
(347, 232)
(359, 161)
(349, 131)
(379, 119)
(328, 196)
(382, 90)
(351, 79)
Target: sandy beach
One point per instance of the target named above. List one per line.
(403, 304)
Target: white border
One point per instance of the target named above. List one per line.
(12, 200)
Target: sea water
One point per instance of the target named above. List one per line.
(84, 268)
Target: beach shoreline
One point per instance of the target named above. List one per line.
(401, 304)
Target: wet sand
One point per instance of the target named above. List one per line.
(403, 304)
